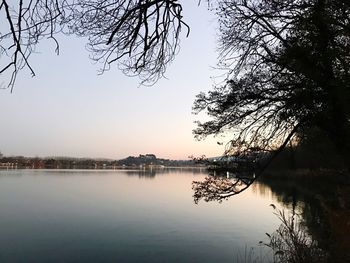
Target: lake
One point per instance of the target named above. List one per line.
(127, 216)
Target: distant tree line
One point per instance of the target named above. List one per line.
(21, 162)
(151, 159)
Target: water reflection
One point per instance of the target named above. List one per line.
(305, 196)
(114, 213)
(152, 173)
(313, 198)
(117, 216)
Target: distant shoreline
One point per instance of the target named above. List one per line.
(147, 161)
(129, 168)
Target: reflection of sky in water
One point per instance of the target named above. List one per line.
(121, 216)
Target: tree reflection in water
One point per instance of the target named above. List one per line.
(296, 239)
(292, 243)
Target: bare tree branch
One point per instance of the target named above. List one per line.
(142, 36)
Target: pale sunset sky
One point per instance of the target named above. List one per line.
(67, 109)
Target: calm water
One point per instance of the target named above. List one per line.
(125, 216)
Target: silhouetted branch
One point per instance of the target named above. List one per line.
(216, 188)
(143, 36)
(27, 22)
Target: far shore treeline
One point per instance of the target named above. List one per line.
(141, 161)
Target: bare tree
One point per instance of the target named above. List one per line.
(288, 64)
(289, 71)
(23, 25)
(141, 36)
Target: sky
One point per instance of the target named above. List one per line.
(67, 109)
